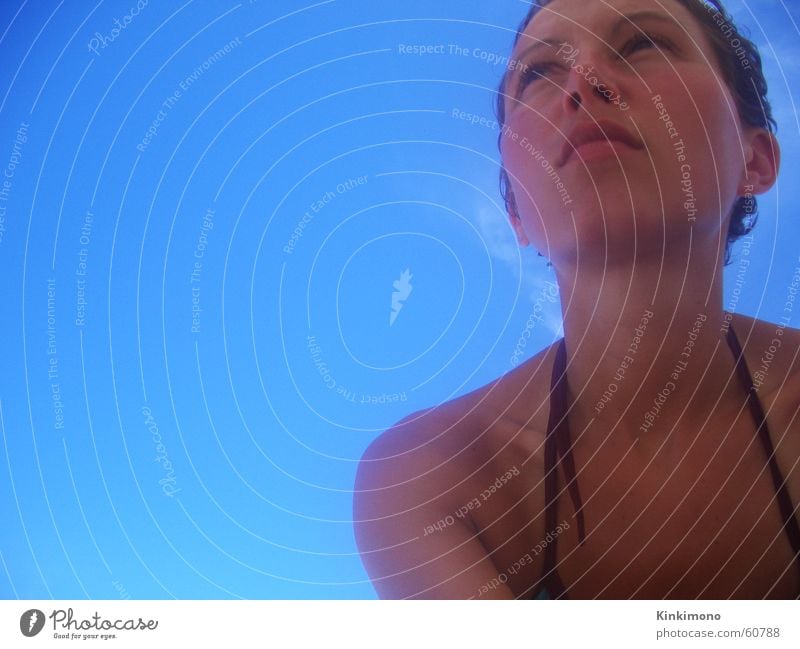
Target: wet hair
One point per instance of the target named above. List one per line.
(741, 71)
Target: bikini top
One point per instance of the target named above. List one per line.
(558, 447)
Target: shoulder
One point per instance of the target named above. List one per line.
(427, 453)
(415, 466)
(772, 354)
(515, 399)
(413, 479)
(446, 449)
(410, 481)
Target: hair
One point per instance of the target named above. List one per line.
(741, 71)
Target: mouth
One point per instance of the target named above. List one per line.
(598, 149)
(597, 140)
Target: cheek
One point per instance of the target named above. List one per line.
(530, 151)
(713, 149)
(705, 118)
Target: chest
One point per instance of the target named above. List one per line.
(704, 522)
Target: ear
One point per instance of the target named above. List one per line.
(515, 220)
(763, 160)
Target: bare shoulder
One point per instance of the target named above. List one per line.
(772, 353)
(420, 471)
(407, 481)
(458, 432)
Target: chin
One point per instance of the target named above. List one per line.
(613, 238)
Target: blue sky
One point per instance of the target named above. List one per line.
(259, 177)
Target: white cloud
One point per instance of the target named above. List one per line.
(537, 278)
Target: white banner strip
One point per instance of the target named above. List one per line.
(401, 624)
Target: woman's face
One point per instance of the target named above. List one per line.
(683, 164)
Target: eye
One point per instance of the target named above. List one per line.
(635, 43)
(533, 73)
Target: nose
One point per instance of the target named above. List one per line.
(585, 85)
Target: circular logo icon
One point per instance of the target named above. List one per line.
(31, 622)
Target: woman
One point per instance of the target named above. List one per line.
(633, 458)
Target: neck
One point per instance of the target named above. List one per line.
(646, 349)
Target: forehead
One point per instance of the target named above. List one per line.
(559, 17)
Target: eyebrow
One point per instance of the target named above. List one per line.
(619, 24)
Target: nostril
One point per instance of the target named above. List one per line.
(576, 99)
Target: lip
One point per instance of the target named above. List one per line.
(600, 131)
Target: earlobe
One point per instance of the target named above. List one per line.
(762, 164)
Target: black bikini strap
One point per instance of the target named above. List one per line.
(559, 426)
(784, 501)
(549, 577)
(557, 443)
